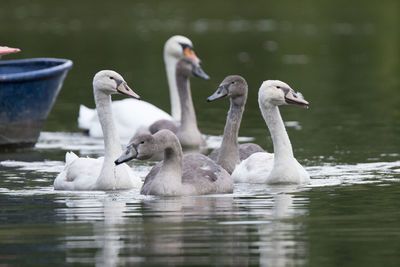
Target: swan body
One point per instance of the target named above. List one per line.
(231, 153)
(83, 173)
(127, 119)
(135, 113)
(282, 166)
(177, 174)
(101, 173)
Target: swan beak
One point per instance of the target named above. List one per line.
(123, 88)
(129, 153)
(189, 52)
(221, 92)
(198, 72)
(4, 50)
(296, 99)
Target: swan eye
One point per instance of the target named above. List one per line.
(142, 142)
(112, 78)
(278, 87)
(233, 82)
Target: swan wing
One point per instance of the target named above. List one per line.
(247, 149)
(86, 117)
(201, 175)
(255, 169)
(129, 114)
(78, 173)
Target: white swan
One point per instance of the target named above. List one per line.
(101, 173)
(280, 167)
(133, 114)
(231, 153)
(177, 174)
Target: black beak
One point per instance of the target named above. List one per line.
(129, 153)
(198, 72)
(221, 92)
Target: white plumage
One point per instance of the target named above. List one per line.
(101, 173)
(282, 166)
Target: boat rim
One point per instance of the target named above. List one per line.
(65, 64)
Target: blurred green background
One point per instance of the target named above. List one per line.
(342, 55)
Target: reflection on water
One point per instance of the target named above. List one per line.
(230, 231)
(278, 241)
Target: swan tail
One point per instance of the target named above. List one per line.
(70, 157)
(85, 117)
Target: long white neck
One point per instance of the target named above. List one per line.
(282, 146)
(170, 65)
(228, 155)
(112, 146)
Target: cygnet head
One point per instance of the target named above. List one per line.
(110, 82)
(179, 46)
(139, 147)
(276, 93)
(233, 86)
(189, 67)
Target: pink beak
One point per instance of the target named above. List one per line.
(4, 50)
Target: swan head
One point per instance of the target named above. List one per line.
(276, 93)
(110, 82)
(179, 46)
(189, 67)
(234, 87)
(139, 147)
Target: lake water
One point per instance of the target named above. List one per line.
(343, 57)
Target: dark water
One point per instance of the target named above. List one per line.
(344, 58)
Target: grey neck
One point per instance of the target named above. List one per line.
(169, 178)
(188, 115)
(228, 155)
(282, 146)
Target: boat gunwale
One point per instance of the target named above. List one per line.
(66, 64)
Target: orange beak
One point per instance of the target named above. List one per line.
(189, 52)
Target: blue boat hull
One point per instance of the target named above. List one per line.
(28, 90)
